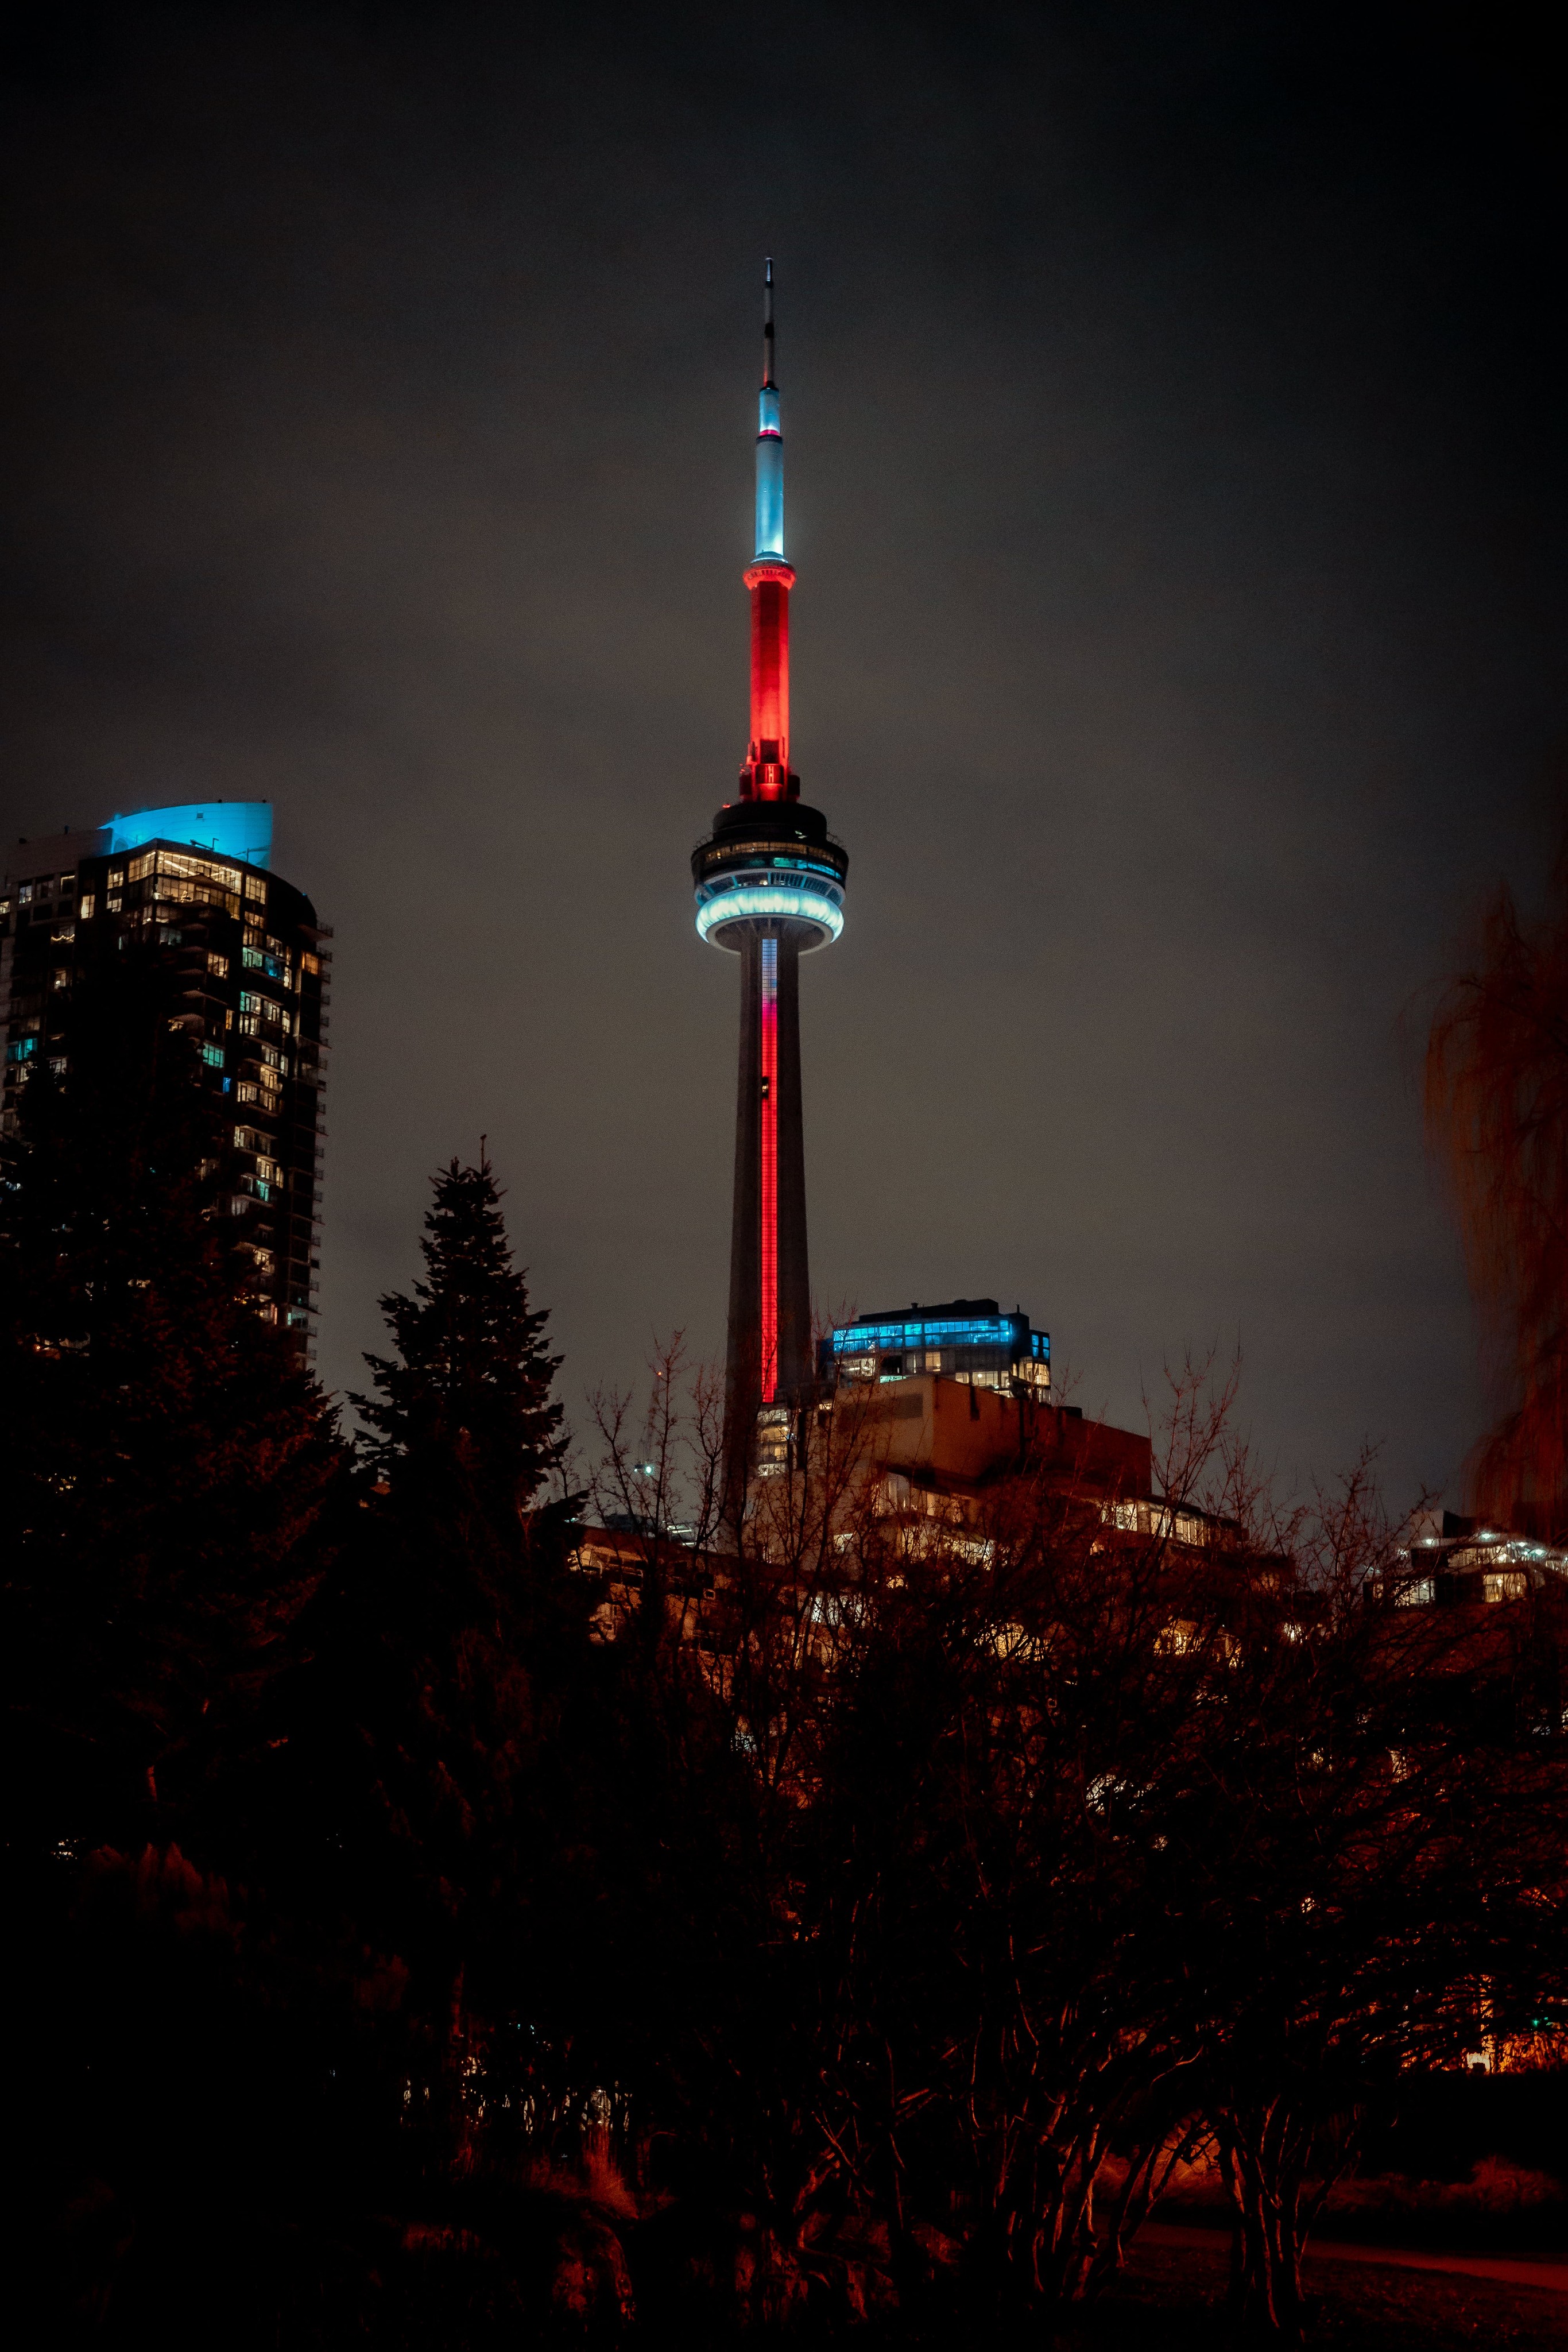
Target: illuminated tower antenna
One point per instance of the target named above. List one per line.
(768, 324)
(769, 888)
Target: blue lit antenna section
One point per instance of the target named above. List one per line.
(770, 441)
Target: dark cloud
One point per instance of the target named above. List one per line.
(1176, 480)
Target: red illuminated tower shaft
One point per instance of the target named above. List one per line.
(770, 1351)
(769, 886)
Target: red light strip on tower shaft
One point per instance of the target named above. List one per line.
(768, 1014)
(769, 752)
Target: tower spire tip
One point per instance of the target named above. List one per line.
(768, 324)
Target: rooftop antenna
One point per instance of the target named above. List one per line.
(768, 324)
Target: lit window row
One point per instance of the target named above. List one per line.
(181, 865)
(273, 959)
(194, 894)
(987, 1331)
(1154, 1519)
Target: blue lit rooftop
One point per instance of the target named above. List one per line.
(237, 829)
(960, 1323)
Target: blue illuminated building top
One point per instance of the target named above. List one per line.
(237, 829)
(935, 1331)
(963, 1338)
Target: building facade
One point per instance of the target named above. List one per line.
(1457, 1562)
(769, 884)
(250, 963)
(967, 1339)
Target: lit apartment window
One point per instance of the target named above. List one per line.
(186, 869)
(85, 907)
(25, 895)
(117, 877)
(1508, 1585)
(218, 965)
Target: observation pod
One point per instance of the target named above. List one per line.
(770, 883)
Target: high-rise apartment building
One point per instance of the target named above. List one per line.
(769, 888)
(250, 964)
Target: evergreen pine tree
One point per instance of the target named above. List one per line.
(460, 1634)
(463, 1415)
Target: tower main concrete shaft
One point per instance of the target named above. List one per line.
(771, 889)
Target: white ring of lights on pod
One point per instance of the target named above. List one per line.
(768, 902)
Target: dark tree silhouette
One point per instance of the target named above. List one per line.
(165, 1454)
(455, 1649)
(462, 1413)
(567, 1926)
(1497, 1114)
(170, 1468)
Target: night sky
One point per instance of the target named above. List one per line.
(1173, 403)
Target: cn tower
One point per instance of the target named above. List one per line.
(769, 888)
